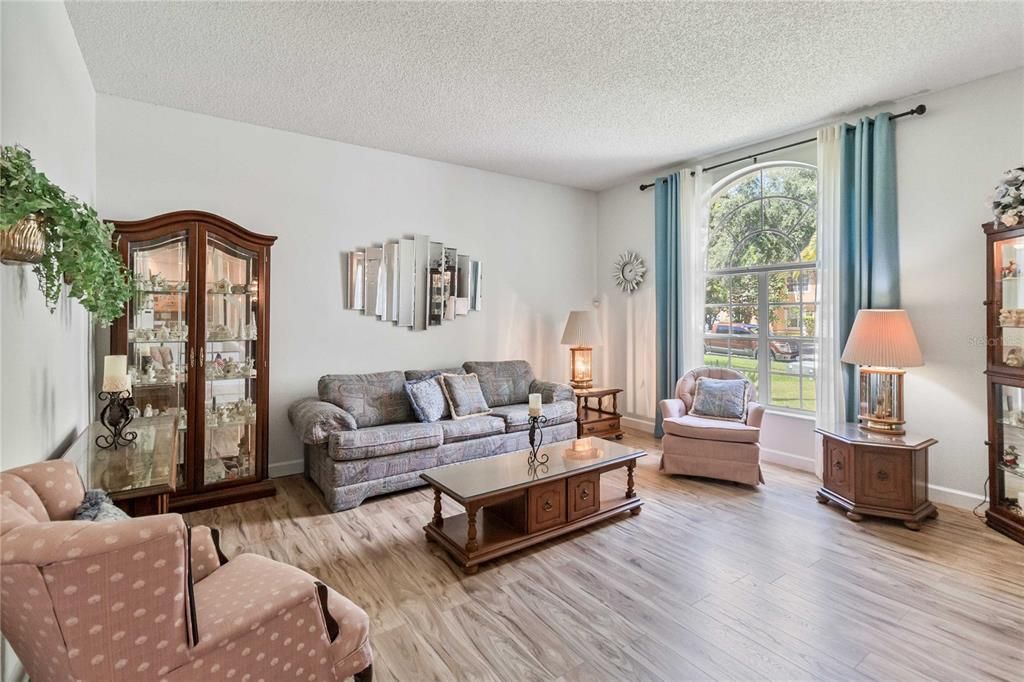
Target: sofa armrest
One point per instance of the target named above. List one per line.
(315, 420)
(672, 407)
(552, 391)
(755, 413)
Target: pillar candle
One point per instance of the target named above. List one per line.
(535, 400)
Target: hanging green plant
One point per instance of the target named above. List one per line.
(79, 248)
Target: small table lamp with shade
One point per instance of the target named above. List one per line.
(883, 343)
(581, 335)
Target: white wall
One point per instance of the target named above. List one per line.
(948, 162)
(45, 360)
(48, 106)
(321, 198)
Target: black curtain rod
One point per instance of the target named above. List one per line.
(916, 111)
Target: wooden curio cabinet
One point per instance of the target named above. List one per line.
(1005, 371)
(196, 336)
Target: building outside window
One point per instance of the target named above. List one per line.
(761, 294)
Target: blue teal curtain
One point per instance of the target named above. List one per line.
(668, 283)
(869, 253)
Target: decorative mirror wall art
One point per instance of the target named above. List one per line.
(629, 271)
(413, 282)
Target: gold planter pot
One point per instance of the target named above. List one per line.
(23, 242)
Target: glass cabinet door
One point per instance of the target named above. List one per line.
(158, 347)
(1009, 487)
(230, 361)
(1009, 299)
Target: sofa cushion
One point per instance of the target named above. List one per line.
(702, 428)
(427, 398)
(517, 416)
(456, 430)
(503, 383)
(371, 399)
(387, 439)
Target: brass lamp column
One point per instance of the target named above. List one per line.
(882, 342)
(581, 335)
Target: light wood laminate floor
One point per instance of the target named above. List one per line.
(710, 581)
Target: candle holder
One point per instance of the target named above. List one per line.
(115, 417)
(536, 437)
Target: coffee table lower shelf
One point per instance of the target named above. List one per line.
(496, 536)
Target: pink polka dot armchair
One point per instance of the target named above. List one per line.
(713, 448)
(150, 599)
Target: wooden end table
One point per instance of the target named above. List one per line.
(522, 506)
(597, 420)
(875, 474)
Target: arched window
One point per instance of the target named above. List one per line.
(761, 266)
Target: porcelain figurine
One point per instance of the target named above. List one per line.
(148, 412)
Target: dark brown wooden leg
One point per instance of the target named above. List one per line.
(912, 525)
(471, 570)
(630, 492)
(820, 498)
(438, 520)
(856, 518)
(364, 675)
(471, 545)
(934, 514)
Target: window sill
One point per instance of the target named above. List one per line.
(790, 414)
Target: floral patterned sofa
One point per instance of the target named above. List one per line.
(152, 599)
(362, 438)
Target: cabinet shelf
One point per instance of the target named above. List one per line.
(1016, 471)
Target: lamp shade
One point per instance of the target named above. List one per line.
(581, 329)
(883, 338)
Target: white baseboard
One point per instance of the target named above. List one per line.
(646, 425)
(788, 459)
(953, 497)
(288, 468)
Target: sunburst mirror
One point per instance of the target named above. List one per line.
(629, 271)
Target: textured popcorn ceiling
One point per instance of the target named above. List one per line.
(584, 95)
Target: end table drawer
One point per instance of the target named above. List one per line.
(584, 493)
(545, 506)
(590, 428)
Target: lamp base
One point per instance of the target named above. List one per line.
(888, 428)
(581, 384)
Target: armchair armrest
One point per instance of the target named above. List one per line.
(551, 391)
(250, 591)
(315, 420)
(672, 407)
(130, 578)
(755, 413)
(205, 556)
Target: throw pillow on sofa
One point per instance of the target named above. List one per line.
(464, 395)
(721, 398)
(427, 398)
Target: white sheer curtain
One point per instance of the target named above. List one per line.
(693, 222)
(831, 401)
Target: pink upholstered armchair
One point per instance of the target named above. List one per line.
(714, 448)
(149, 598)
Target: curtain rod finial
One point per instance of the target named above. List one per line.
(919, 109)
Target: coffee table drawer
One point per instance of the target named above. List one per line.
(545, 506)
(601, 426)
(584, 495)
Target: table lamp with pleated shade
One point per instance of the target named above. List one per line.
(883, 343)
(581, 335)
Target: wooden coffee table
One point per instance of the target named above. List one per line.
(523, 506)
